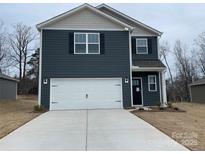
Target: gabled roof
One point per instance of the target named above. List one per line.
(6, 77)
(63, 15)
(127, 19)
(198, 82)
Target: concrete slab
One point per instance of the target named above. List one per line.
(120, 130)
(88, 130)
(54, 130)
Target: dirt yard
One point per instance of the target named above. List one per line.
(187, 128)
(14, 114)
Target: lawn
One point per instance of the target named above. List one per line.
(187, 128)
(14, 114)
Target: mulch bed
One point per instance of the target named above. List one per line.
(159, 109)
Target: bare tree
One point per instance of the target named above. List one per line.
(164, 52)
(185, 68)
(200, 42)
(3, 48)
(20, 41)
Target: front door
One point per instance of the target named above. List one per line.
(137, 91)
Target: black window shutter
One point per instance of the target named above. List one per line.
(71, 43)
(133, 45)
(102, 43)
(149, 45)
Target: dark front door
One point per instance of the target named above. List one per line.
(137, 91)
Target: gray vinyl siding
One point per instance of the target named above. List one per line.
(138, 30)
(149, 98)
(85, 19)
(197, 93)
(8, 89)
(57, 62)
(152, 49)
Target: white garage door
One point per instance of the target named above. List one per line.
(82, 93)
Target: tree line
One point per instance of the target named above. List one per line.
(18, 53)
(189, 66)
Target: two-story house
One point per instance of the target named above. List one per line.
(97, 57)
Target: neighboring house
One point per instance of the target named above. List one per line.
(97, 57)
(197, 90)
(8, 87)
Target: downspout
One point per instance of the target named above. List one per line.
(40, 69)
(130, 57)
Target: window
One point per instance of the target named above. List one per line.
(86, 43)
(141, 46)
(152, 83)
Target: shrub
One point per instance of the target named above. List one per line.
(141, 109)
(161, 108)
(169, 105)
(39, 108)
(176, 108)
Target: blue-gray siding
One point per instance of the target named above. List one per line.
(8, 89)
(58, 62)
(152, 49)
(149, 98)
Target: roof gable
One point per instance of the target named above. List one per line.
(61, 20)
(5, 77)
(198, 82)
(139, 26)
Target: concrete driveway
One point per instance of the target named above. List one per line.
(88, 130)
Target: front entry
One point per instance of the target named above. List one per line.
(137, 91)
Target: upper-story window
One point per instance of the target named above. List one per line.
(141, 46)
(86, 43)
(152, 82)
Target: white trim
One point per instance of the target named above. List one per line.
(87, 43)
(130, 58)
(164, 92)
(147, 69)
(40, 69)
(160, 87)
(137, 45)
(155, 83)
(134, 20)
(158, 49)
(144, 35)
(122, 104)
(63, 15)
(82, 29)
(141, 91)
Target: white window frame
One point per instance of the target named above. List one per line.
(150, 76)
(137, 45)
(87, 43)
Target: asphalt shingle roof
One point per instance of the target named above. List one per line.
(148, 63)
(198, 82)
(3, 76)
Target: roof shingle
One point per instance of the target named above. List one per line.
(3, 76)
(148, 63)
(198, 82)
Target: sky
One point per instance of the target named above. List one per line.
(176, 21)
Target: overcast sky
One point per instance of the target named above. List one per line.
(176, 21)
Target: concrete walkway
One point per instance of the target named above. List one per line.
(88, 130)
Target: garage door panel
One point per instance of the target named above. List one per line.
(85, 93)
